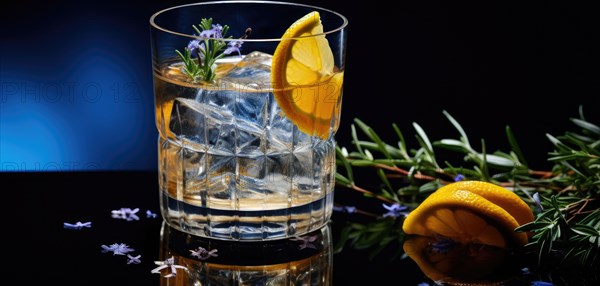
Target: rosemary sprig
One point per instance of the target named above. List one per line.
(200, 56)
(565, 199)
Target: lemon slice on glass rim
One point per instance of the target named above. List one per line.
(306, 84)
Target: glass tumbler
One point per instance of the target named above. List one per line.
(248, 99)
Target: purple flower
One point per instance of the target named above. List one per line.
(216, 32)
(77, 225)
(395, 210)
(306, 242)
(170, 264)
(233, 46)
(150, 214)
(203, 254)
(196, 48)
(126, 214)
(459, 177)
(134, 259)
(117, 248)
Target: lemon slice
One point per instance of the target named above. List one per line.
(471, 212)
(305, 82)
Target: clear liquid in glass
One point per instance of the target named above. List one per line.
(231, 165)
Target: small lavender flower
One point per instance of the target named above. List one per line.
(126, 214)
(196, 48)
(216, 32)
(541, 283)
(395, 210)
(169, 264)
(150, 214)
(200, 56)
(538, 203)
(77, 225)
(233, 46)
(117, 248)
(423, 284)
(203, 254)
(134, 259)
(459, 177)
(306, 241)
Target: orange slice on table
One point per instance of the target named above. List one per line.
(306, 83)
(471, 212)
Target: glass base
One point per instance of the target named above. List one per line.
(253, 225)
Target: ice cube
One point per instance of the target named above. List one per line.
(251, 74)
(212, 127)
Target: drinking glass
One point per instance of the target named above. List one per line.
(247, 106)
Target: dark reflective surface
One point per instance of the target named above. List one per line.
(40, 250)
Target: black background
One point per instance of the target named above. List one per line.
(529, 65)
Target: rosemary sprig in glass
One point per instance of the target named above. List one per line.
(200, 56)
(565, 199)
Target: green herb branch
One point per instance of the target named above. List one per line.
(564, 199)
(200, 56)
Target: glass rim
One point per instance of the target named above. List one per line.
(340, 28)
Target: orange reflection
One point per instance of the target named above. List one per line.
(450, 263)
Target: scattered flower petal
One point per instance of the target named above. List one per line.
(133, 259)
(150, 214)
(168, 264)
(77, 225)
(126, 214)
(203, 254)
(117, 248)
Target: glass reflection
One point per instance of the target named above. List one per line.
(305, 260)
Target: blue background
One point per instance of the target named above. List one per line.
(76, 84)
